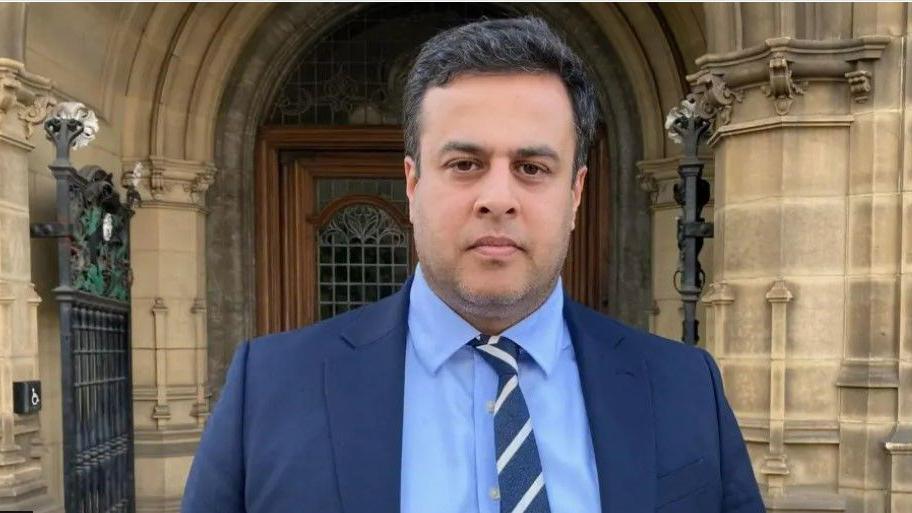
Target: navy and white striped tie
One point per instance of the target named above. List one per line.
(519, 470)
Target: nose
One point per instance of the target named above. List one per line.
(496, 196)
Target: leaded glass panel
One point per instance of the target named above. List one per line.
(355, 74)
(362, 256)
(390, 189)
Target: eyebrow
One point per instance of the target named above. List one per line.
(537, 151)
(525, 152)
(465, 147)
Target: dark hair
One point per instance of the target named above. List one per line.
(521, 45)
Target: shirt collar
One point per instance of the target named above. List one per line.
(437, 331)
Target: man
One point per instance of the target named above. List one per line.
(479, 387)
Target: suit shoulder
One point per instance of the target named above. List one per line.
(661, 354)
(657, 346)
(327, 338)
(320, 340)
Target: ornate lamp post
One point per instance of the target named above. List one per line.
(690, 124)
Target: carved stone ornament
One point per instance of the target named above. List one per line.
(26, 93)
(647, 181)
(859, 85)
(201, 183)
(781, 86)
(37, 112)
(130, 180)
(173, 181)
(9, 88)
(715, 99)
(157, 183)
(710, 100)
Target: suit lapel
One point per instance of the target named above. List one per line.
(364, 393)
(617, 393)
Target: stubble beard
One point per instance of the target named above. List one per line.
(493, 309)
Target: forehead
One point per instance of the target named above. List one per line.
(499, 109)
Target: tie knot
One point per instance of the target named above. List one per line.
(499, 352)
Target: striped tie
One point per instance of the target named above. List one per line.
(519, 471)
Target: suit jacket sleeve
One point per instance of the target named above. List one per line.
(216, 480)
(740, 493)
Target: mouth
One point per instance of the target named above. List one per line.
(495, 247)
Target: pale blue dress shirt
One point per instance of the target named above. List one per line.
(448, 462)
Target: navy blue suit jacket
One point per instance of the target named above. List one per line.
(310, 421)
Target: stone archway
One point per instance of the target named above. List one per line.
(640, 79)
(189, 82)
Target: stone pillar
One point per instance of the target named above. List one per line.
(171, 398)
(899, 445)
(718, 296)
(775, 466)
(23, 103)
(809, 188)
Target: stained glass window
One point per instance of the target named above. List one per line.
(390, 189)
(355, 74)
(362, 256)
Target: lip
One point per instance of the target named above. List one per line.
(495, 247)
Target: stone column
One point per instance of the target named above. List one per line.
(899, 445)
(23, 104)
(775, 466)
(171, 398)
(809, 193)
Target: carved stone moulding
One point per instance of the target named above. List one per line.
(900, 441)
(784, 67)
(29, 92)
(795, 431)
(168, 181)
(868, 374)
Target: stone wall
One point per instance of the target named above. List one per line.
(810, 251)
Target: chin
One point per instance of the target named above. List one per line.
(478, 290)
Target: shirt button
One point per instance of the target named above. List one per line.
(494, 493)
(490, 406)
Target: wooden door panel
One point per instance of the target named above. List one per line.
(300, 206)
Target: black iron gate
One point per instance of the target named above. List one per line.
(93, 234)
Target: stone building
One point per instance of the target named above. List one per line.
(265, 129)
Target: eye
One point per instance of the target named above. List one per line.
(463, 166)
(530, 169)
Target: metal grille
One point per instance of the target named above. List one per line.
(355, 75)
(95, 345)
(363, 256)
(103, 461)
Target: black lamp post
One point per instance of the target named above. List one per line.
(687, 126)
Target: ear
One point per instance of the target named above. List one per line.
(577, 190)
(411, 181)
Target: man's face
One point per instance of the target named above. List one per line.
(495, 203)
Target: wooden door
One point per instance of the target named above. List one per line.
(333, 230)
